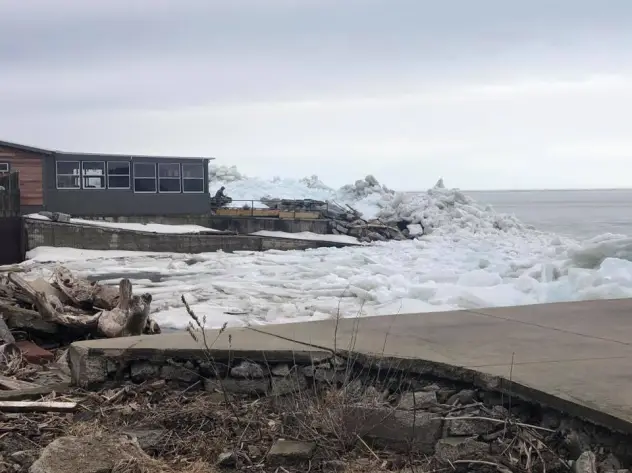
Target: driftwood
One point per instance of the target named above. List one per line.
(37, 406)
(46, 306)
(68, 309)
(15, 384)
(129, 317)
(34, 393)
(84, 293)
(5, 334)
(19, 318)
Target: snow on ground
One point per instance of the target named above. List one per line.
(309, 236)
(437, 273)
(470, 257)
(139, 227)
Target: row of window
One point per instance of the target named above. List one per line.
(171, 178)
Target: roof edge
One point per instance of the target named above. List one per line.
(32, 149)
(48, 152)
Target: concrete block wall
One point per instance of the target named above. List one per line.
(243, 225)
(47, 233)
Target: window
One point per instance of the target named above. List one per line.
(118, 175)
(193, 178)
(4, 167)
(68, 175)
(144, 177)
(93, 173)
(169, 177)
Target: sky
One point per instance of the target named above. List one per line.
(488, 94)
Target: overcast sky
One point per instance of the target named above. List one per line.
(489, 94)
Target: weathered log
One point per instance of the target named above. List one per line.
(37, 406)
(34, 393)
(130, 316)
(105, 297)
(18, 318)
(79, 291)
(15, 384)
(84, 293)
(48, 312)
(5, 333)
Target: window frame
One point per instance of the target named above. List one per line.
(84, 176)
(179, 178)
(57, 174)
(7, 164)
(201, 165)
(155, 178)
(128, 175)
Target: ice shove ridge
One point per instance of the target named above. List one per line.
(439, 209)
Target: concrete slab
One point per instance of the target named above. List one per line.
(572, 356)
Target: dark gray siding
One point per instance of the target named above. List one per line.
(121, 202)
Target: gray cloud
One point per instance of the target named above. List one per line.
(238, 77)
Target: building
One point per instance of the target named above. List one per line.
(87, 184)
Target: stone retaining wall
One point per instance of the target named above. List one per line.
(394, 409)
(48, 233)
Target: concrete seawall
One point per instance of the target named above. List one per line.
(47, 233)
(243, 225)
(572, 357)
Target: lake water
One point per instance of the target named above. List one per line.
(577, 213)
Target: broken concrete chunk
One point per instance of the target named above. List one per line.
(455, 448)
(178, 373)
(238, 386)
(60, 217)
(308, 370)
(470, 426)
(399, 430)
(291, 383)
(25, 458)
(586, 463)
(281, 370)
(227, 459)
(143, 371)
(326, 375)
(248, 370)
(148, 439)
(609, 463)
(466, 396)
(87, 454)
(417, 400)
(290, 451)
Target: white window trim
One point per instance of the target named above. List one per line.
(192, 178)
(3, 165)
(147, 178)
(71, 175)
(84, 176)
(179, 178)
(128, 175)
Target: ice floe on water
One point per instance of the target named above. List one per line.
(470, 257)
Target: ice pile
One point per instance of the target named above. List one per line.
(363, 188)
(224, 173)
(446, 210)
(436, 209)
